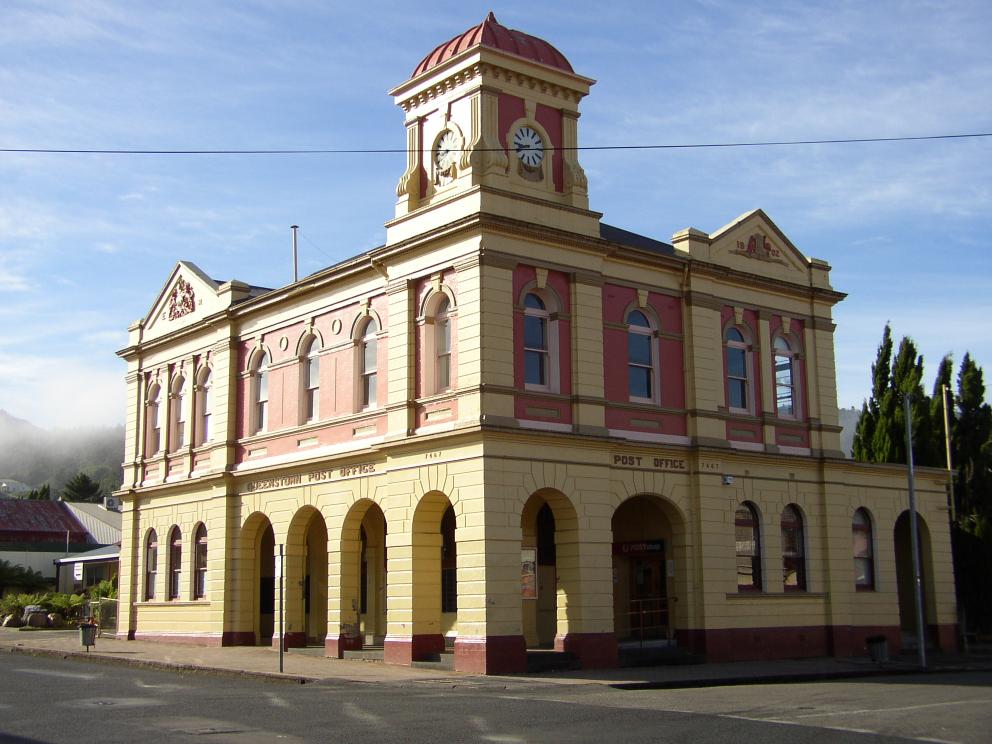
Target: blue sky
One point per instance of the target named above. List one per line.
(86, 241)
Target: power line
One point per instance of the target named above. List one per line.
(588, 148)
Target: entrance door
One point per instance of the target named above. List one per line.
(648, 597)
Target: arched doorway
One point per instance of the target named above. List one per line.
(648, 537)
(362, 602)
(265, 571)
(306, 579)
(433, 585)
(906, 583)
(549, 567)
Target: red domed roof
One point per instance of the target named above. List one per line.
(491, 34)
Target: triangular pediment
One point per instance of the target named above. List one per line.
(755, 244)
(187, 296)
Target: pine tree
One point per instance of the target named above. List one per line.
(82, 488)
(973, 450)
(881, 432)
(40, 494)
(938, 447)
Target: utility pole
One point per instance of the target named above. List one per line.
(914, 537)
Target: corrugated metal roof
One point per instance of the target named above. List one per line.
(102, 524)
(105, 553)
(39, 520)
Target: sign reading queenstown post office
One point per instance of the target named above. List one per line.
(666, 464)
(306, 479)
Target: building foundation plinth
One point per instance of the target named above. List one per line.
(407, 649)
(336, 645)
(593, 650)
(491, 654)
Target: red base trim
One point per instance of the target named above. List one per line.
(946, 637)
(593, 650)
(407, 649)
(335, 646)
(190, 640)
(238, 638)
(491, 654)
(293, 639)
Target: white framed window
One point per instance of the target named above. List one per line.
(153, 420)
(540, 341)
(200, 562)
(368, 356)
(738, 357)
(442, 347)
(786, 398)
(793, 550)
(642, 358)
(864, 553)
(260, 394)
(175, 563)
(177, 414)
(204, 405)
(310, 387)
(151, 564)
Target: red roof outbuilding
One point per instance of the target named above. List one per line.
(490, 33)
(38, 521)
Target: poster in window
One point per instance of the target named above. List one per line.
(528, 574)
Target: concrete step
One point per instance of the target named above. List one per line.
(547, 660)
(369, 653)
(444, 660)
(634, 656)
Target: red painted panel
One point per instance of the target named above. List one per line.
(673, 424)
(550, 119)
(491, 654)
(511, 108)
(593, 650)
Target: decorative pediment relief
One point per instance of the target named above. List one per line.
(759, 247)
(187, 296)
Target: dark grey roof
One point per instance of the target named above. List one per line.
(633, 240)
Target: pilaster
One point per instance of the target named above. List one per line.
(400, 369)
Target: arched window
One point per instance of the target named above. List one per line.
(785, 378)
(151, 564)
(642, 358)
(369, 358)
(153, 421)
(175, 562)
(260, 388)
(200, 562)
(177, 416)
(537, 351)
(442, 347)
(793, 550)
(864, 556)
(748, 540)
(738, 371)
(203, 406)
(311, 381)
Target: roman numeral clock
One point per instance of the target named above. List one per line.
(529, 148)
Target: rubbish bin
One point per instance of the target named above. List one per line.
(87, 635)
(878, 648)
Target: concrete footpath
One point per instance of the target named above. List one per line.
(302, 666)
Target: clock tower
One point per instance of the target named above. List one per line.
(492, 126)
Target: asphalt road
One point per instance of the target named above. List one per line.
(52, 700)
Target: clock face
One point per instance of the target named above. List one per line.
(529, 147)
(447, 151)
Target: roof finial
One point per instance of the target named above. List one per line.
(491, 18)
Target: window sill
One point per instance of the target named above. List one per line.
(775, 595)
(173, 603)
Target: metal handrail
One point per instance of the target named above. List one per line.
(654, 608)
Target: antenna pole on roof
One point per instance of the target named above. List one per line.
(296, 277)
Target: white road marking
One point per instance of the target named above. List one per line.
(168, 686)
(353, 711)
(46, 673)
(277, 701)
(862, 711)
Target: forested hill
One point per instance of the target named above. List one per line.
(37, 456)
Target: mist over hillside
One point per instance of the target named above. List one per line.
(37, 456)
